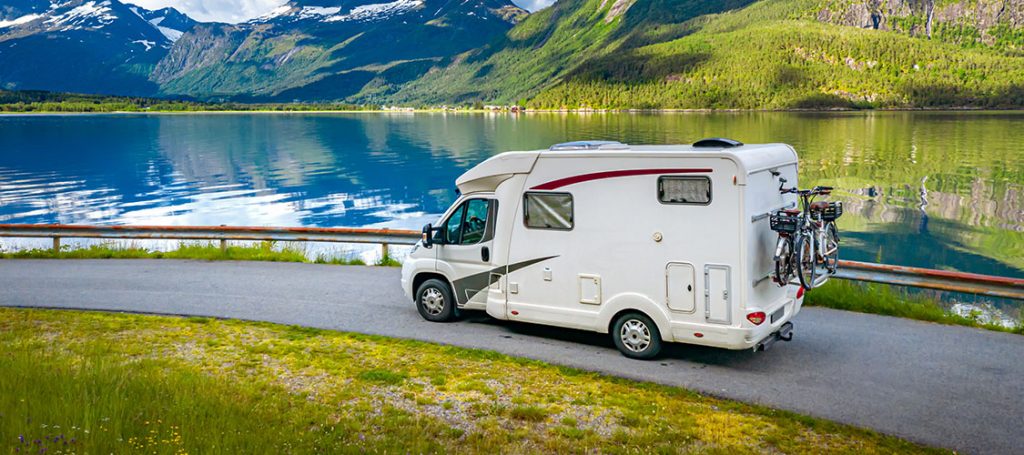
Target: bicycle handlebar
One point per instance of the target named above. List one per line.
(816, 190)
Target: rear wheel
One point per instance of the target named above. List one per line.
(434, 301)
(805, 261)
(831, 249)
(636, 336)
(784, 261)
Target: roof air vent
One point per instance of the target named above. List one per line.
(717, 142)
(589, 145)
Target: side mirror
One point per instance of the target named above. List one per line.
(428, 236)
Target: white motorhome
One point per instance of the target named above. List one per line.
(651, 244)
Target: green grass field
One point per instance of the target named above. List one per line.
(79, 382)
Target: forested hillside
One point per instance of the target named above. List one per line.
(769, 54)
(646, 54)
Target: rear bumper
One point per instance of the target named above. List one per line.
(785, 333)
(743, 336)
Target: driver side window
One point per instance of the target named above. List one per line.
(453, 227)
(468, 224)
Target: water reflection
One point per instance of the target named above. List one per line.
(927, 189)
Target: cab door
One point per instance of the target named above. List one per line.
(465, 256)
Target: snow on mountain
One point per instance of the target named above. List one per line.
(149, 44)
(89, 14)
(169, 21)
(20, 20)
(94, 46)
(367, 12)
(310, 12)
(377, 11)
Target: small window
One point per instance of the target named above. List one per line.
(548, 210)
(684, 190)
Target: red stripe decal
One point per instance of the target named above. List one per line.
(555, 184)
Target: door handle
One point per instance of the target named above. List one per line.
(485, 254)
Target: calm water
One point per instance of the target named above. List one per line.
(942, 190)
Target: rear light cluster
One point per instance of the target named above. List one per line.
(756, 317)
(800, 292)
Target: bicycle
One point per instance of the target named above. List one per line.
(808, 238)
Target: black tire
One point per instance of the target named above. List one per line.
(784, 263)
(435, 302)
(806, 263)
(636, 336)
(831, 241)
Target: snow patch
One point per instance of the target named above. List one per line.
(310, 12)
(170, 33)
(21, 20)
(85, 12)
(377, 11)
(276, 12)
(149, 44)
(157, 21)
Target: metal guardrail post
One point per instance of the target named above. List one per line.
(223, 246)
(56, 245)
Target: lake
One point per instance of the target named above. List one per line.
(930, 189)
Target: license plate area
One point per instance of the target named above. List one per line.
(778, 314)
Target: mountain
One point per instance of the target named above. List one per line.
(743, 54)
(330, 49)
(668, 54)
(78, 46)
(169, 21)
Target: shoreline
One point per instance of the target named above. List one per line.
(522, 112)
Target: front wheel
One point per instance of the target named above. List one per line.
(636, 336)
(805, 261)
(434, 301)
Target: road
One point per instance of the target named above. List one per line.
(952, 387)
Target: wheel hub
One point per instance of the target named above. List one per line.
(433, 301)
(635, 335)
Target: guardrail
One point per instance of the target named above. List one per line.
(384, 237)
(970, 283)
(943, 280)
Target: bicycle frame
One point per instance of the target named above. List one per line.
(815, 229)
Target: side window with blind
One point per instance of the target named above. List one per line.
(548, 211)
(684, 190)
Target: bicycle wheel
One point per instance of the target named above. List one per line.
(805, 261)
(831, 249)
(784, 261)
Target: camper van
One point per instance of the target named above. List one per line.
(650, 244)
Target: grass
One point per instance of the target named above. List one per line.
(886, 300)
(112, 383)
(262, 251)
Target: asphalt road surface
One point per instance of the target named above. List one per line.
(952, 387)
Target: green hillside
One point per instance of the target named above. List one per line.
(778, 54)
